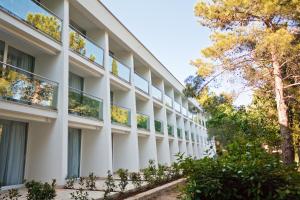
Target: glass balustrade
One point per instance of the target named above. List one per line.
(85, 105)
(141, 83)
(156, 93)
(143, 121)
(170, 130)
(158, 126)
(193, 137)
(80, 44)
(36, 15)
(190, 115)
(120, 115)
(21, 86)
(187, 137)
(177, 106)
(184, 111)
(119, 69)
(169, 101)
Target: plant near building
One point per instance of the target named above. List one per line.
(92, 57)
(161, 174)
(123, 174)
(70, 183)
(38, 190)
(110, 184)
(136, 179)
(150, 172)
(77, 43)
(90, 182)
(13, 194)
(80, 194)
(114, 67)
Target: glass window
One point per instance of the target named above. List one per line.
(2, 45)
(75, 81)
(74, 149)
(13, 137)
(20, 59)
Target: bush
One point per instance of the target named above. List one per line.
(136, 179)
(150, 173)
(123, 174)
(38, 190)
(90, 182)
(13, 194)
(70, 183)
(246, 171)
(109, 184)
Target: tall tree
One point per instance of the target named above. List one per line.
(257, 40)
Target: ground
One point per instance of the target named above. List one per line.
(170, 195)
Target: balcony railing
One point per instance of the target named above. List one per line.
(158, 126)
(119, 69)
(156, 93)
(80, 44)
(177, 106)
(141, 83)
(36, 15)
(143, 121)
(193, 137)
(170, 130)
(21, 86)
(120, 115)
(190, 115)
(187, 137)
(179, 133)
(169, 101)
(184, 111)
(85, 105)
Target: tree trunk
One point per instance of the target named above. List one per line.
(287, 147)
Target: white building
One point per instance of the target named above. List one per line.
(79, 94)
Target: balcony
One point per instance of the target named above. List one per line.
(120, 116)
(118, 69)
(21, 86)
(156, 93)
(177, 106)
(179, 133)
(169, 101)
(158, 126)
(170, 130)
(187, 137)
(143, 121)
(141, 83)
(184, 111)
(190, 115)
(85, 47)
(193, 137)
(36, 15)
(85, 105)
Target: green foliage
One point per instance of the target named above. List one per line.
(47, 24)
(38, 190)
(136, 179)
(114, 68)
(92, 58)
(123, 174)
(246, 171)
(158, 126)
(70, 183)
(110, 184)
(90, 182)
(142, 121)
(80, 194)
(13, 194)
(150, 172)
(77, 43)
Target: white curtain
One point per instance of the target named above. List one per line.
(13, 138)
(19, 59)
(75, 81)
(74, 149)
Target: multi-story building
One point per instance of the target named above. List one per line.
(79, 94)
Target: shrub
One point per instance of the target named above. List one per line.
(161, 174)
(13, 194)
(90, 182)
(38, 190)
(136, 179)
(70, 183)
(123, 174)
(150, 173)
(110, 184)
(80, 194)
(246, 172)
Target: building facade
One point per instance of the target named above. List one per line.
(79, 94)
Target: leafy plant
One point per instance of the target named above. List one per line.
(80, 194)
(246, 171)
(123, 174)
(92, 58)
(136, 179)
(110, 184)
(38, 190)
(161, 174)
(70, 183)
(13, 194)
(90, 182)
(114, 67)
(150, 173)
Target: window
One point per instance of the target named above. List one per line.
(2, 45)
(13, 139)
(20, 59)
(76, 81)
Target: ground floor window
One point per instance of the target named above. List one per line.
(74, 151)
(13, 139)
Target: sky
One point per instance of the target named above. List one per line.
(169, 29)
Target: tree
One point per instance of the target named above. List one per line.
(257, 40)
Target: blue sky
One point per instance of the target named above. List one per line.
(169, 30)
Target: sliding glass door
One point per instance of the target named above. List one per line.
(13, 138)
(74, 152)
